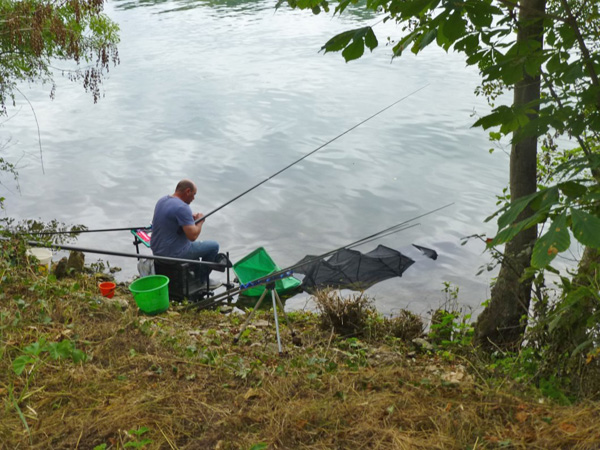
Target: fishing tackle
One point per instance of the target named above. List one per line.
(289, 271)
(283, 273)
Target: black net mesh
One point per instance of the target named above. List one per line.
(351, 269)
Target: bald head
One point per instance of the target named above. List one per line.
(185, 184)
(186, 191)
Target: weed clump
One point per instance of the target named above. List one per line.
(348, 316)
(405, 326)
(356, 316)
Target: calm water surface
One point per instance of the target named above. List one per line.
(227, 93)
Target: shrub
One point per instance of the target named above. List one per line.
(347, 316)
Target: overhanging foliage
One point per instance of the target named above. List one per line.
(36, 33)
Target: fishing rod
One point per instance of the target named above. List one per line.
(393, 229)
(284, 273)
(256, 185)
(208, 264)
(308, 154)
(148, 227)
(289, 271)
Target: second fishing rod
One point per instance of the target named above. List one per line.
(237, 197)
(288, 271)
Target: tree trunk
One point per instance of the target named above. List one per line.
(501, 324)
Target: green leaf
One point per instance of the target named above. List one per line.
(468, 45)
(341, 6)
(78, 356)
(140, 431)
(572, 189)
(404, 43)
(259, 446)
(481, 13)
(554, 64)
(548, 198)
(338, 42)
(370, 39)
(586, 228)
(415, 8)
(455, 26)
(497, 117)
(512, 230)
(352, 43)
(36, 348)
(426, 39)
(354, 50)
(567, 34)
(554, 241)
(515, 208)
(583, 346)
(534, 63)
(61, 350)
(19, 363)
(574, 72)
(53, 350)
(591, 197)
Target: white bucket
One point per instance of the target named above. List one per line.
(44, 256)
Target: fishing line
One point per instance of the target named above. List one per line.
(256, 185)
(308, 154)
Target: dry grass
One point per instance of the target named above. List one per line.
(348, 316)
(179, 376)
(356, 316)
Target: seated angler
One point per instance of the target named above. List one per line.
(174, 229)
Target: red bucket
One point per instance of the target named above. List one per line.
(107, 289)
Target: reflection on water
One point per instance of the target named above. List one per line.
(228, 7)
(228, 93)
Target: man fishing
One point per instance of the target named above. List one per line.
(175, 229)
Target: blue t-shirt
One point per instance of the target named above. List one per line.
(168, 238)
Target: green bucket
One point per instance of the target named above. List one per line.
(151, 293)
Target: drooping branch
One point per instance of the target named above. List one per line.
(35, 32)
(587, 58)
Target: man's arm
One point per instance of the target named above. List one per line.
(193, 231)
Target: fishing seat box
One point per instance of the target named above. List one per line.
(184, 282)
(185, 279)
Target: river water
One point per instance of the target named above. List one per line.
(227, 93)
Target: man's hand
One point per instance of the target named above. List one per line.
(197, 216)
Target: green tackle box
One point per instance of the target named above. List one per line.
(258, 264)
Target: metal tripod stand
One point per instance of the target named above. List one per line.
(276, 301)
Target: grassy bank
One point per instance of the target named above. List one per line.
(78, 370)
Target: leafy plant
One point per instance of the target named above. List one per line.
(139, 442)
(450, 325)
(259, 446)
(355, 352)
(34, 354)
